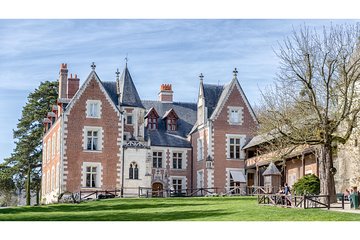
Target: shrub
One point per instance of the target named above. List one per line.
(309, 184)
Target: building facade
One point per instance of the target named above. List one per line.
(103, 136)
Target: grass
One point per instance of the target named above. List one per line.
(171, 209)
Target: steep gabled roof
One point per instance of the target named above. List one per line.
(212, 94)
(151, 110)
(128, 93)
(170, 111)
(271, 170)
(225, 94)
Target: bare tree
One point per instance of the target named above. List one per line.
(314, 99)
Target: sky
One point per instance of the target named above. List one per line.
(158, 51)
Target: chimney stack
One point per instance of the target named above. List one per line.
(166, 93)
(63, 81)
(72, 86)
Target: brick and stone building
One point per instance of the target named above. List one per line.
(103, 136)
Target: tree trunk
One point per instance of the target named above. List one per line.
(38, 196)
(327, 183)
(28, 192)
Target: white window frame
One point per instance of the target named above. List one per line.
(53, 145)
(98, 180)
(99, 130)
(183, 181)
(238, 112)
(200, 149)
(242, 143)
(90, 108)
(200, 179)
(157, 159)
(177, 160)
(132, 119)
(58, 141)
(48, 154)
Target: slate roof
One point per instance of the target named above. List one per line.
(212, 94)
(128, 93)
(187, 118)
(110, 88)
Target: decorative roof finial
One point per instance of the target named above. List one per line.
(93, 66)
(201, 77)
(126, 59)
(235, 72)
(117, 74)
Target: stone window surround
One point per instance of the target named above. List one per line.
(200, 154)
(241, 115)
(100, 138)
(99, 170)
(182, 178)
(227, 146)
(87, 111)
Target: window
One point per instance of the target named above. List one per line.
(53, 145)
(235, 148)
(48, 154)
(177, 185)
(52, 179)
(91, 174)
(57, 175)
(152, 123)
(92, 140)
(129, 119)
(171, 124)
(58, 141)
(44, 183)
(200, 148)
(200, 179)
(133, 171)
(234, 186)
(235, 115)
(93, 108)
(177, 160)
(157, 159)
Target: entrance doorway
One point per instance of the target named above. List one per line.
(157, 189)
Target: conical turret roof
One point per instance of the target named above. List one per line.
(128, 93)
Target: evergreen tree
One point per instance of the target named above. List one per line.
(25, 161)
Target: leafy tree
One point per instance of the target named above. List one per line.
(315, 100)
(308, 184)
(7, 186)
(25, 161)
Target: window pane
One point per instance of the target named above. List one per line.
(95, 133)
(174, 163)
(231, 141)
(89, 133)
(95, 144)
(88, 169)
(179, 164)
(237, 141)
(88, 176)
(89, 142)
(93, 180)
(136, 173)
(131, 172)
(159, 162)
(93, 170)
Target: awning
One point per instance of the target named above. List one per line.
(238, 176)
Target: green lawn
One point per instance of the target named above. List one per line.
(170, 209)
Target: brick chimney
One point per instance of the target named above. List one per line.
(72, 85)
(166, 93)
(63, 81)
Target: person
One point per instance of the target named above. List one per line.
(351, 193)
(287, 189)
(347, 195)
(281, 190)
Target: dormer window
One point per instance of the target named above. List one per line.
(171, 120)
(171, 124)
(152, 119)
(93, 109)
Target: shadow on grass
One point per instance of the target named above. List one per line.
(126, 216)
(86, 207)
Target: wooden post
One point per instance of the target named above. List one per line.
(80, 197)
(115, 192)
(342, 201)
(328, 201)
(304, 201)
(96, 194)
(139, 192)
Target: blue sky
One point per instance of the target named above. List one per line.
(159, 51)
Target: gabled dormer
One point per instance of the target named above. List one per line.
(152, 119)
(171, 118)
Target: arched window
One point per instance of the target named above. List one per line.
(133, 171)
